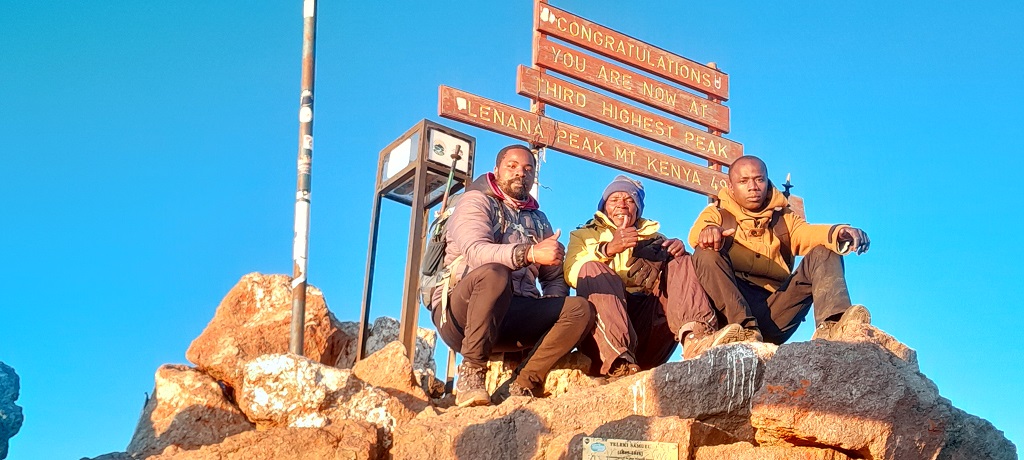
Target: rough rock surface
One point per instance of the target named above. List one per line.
(344, 440)
(255, 319)
(188, 408)
(384, 331)
(856, 397)
(539, 428)
(295, 392)
(568, 373)
(113, 456)
(11, 416)
(390, 370)
(969, 437)
(747, 451)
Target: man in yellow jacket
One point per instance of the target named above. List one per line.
(642, 286)
(743, 255)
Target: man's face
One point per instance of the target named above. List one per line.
(515, 173)
(621, 209)
(748, 182)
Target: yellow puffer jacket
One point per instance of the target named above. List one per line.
(758, 258)
(583, 244)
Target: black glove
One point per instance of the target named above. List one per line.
(652, 250)
(644, 273)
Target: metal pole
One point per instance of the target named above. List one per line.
(300, 246)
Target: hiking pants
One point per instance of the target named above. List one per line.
(820, 278)
(484, 317)
(641, 328)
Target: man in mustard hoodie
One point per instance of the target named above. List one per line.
(642, 286)
(743, 255)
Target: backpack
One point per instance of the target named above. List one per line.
(777, 225)
(433, 273)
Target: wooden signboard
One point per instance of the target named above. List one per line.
(615, 113)
(628, 50)
(636, 86)
(524, 125)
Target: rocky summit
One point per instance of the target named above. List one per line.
(11, 417)
(861, 397)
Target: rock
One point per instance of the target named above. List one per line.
(384, 331)
(430, 384)
(347, 350)
(188, 409)
(390, 370)
(295, 392)
(747, 451)
(343, 440)
(715, 389)
(567, 374)
(11, 416)
(969, 437)
(687, 434)
(255, 319)
(853, 397)
(866, 333)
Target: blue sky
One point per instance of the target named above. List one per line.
(147, 162)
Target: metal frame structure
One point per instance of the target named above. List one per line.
(415, 185)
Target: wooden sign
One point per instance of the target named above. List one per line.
(524, 125)
(657, 94)
(628, 50)
(615, 113)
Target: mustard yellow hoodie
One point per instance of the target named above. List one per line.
(583, 244)
(758, 258)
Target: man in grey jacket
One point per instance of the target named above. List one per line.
(499, 245)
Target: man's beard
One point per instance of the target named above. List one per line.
(506, 188)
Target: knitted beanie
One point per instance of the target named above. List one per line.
(622, 183)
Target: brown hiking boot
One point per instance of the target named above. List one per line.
(752, 335)
(470, 389)
(834, 330)
(699, 341)
(509, 389)
(622, 368)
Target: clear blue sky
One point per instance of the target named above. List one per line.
(148, 150)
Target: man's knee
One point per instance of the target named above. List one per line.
(820, 254)
(579, 310)
(705, 257)
(593, 269)
(493, 272)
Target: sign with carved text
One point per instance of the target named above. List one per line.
(625, 449)
(530, 127)
(630, 51)
(636, 86)
(615, 113)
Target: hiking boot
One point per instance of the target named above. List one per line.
(751, 335)
(622, 368)
(470, 389)
(834, 329)
(697, 342)
(509, 389)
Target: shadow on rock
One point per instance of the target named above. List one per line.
(513, 436)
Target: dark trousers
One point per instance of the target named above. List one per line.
(641, 328)
(484, 317)
(819, 279)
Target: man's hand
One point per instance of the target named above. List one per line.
(644, 273)
(854, 239)
(674, 247)
(622, 238)
(711, 237)
(549, 251)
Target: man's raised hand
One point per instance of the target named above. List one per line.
(623, 238)
(711, 237)
(549, 251)
(854, 238)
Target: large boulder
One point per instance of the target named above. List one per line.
(343, 440)
(854, 397)
(254, 319)
(390, 370)
(747, 451)
(383, 331)
(715, 389)
(969, 437)
(569, 373)
(291, 391)
(188, 409)
(11, 416)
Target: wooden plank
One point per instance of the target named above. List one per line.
(628, 50)
(523, 125)
(617, 114)
(636, 86)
